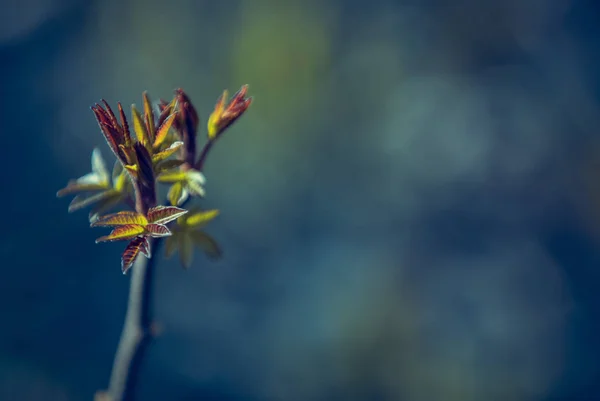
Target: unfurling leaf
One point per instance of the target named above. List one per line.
(125, 126)
(97, 180)
(225, 115)
(123, 232)
(121, 219)
(175, 146)
(148, 116)
(142, 160)
(131, 252)
(162, 131)
(139, 127)
(164, 214)
(110, 127)
(177, 194)
(186, 124)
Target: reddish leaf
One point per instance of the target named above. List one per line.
(164, 214)
(112, 118)
(131, 252)
(126, 133)
(107, 129)
(157, 230)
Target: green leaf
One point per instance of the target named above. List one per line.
(139, 127)
(175, 146)
(121, 219)
(162, 131)
(172, 176)
(200, 219)
(176, 194)
(123, 232)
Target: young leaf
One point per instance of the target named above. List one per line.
(164, 214)
(121, 219)
(81, 200)
(175, 146)
(177, 194)
(74, 187)
(146, 247)
(123, 232)
(225, 115)
(126, 133)
(97, 180)
(172, 176)
(98, 166)
(139, 127)
(131, 252)
(157, 230)
(161, 134)
(201, 218)
(148, 116)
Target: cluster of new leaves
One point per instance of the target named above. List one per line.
(163, 150)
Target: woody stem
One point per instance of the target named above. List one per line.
(136, 335)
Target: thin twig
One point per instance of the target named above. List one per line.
(137, 329)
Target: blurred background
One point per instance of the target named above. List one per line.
(410, 208)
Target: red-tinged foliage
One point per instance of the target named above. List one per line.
(164, 214)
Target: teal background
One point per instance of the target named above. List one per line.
(409, 210)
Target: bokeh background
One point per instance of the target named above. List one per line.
(410, 209)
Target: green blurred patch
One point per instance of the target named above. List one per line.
(284, 52)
